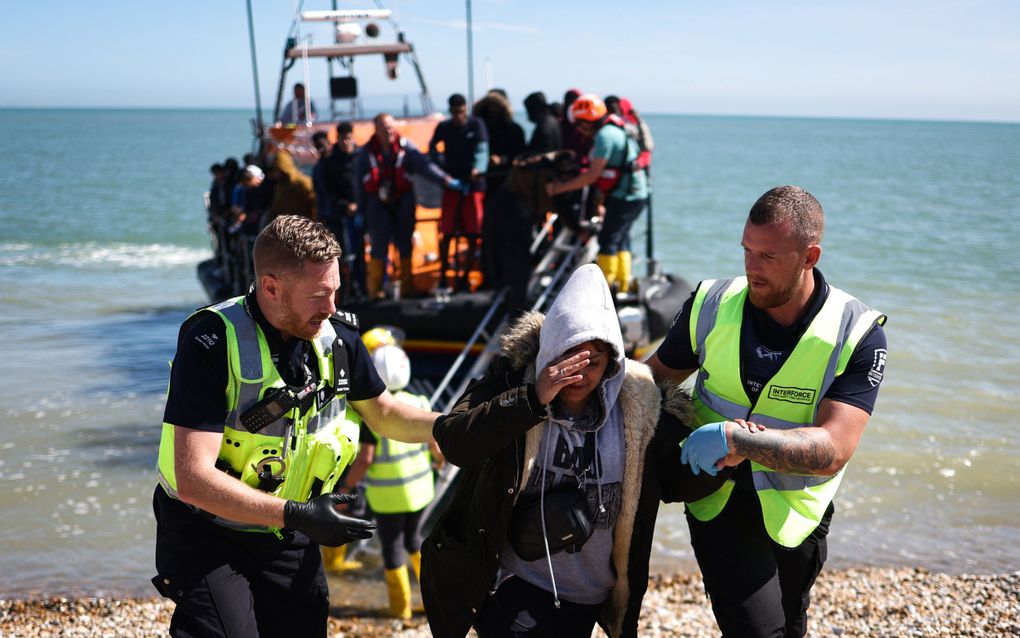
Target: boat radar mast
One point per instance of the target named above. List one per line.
(356, 34)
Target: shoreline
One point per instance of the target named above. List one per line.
(863, 601)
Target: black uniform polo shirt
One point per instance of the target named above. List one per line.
(197, 395)
(765, 345)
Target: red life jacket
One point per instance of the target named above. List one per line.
(611, 175)
(391, 171)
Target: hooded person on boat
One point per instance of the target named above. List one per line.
(566, 449)
(293, 193)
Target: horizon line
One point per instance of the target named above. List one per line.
(656, 113)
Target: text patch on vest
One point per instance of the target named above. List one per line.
(805, 396)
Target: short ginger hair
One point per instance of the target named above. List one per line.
(795, 204)
(288, 242)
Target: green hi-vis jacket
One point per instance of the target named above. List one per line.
(792, 504)
(400, 477)
(302, 453)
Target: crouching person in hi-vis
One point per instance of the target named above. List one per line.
(398, 484)
(260, 422)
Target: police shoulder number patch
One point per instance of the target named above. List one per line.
(349, 319)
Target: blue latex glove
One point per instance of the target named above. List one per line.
(457, 185)
(705, 447)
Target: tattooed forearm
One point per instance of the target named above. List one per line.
(794, 451)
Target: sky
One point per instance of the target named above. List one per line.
(901, 59)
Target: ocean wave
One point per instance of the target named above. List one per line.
(91, 254)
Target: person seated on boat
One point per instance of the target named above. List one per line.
(460, 145)
(547, 135)
(294, 111)
(566, 449)
(219, 196)
(337, 200)
(384, 167)
(232, 177)
(613, 170)
(636, 127)
(249, 201)
(292, 190)
(399, 484)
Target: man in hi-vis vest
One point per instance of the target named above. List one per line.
(398, 482)
(266, 394)
(787, 369)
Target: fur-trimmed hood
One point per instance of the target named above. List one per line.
(641, 402)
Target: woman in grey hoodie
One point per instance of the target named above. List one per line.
(561, 410)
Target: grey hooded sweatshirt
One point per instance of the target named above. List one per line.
(496, 435)
(585, 450)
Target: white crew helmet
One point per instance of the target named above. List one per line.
(393, 366)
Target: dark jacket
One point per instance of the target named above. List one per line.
(293, 193)
(490, 434)
(340, 183)
(547, 135)
(506, 139)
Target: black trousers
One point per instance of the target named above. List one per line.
(400, 535)
(236, 584)
(758, 587)
(518, 609)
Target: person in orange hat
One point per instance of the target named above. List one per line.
(615, 172)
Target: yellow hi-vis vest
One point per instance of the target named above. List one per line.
(400, 477)
(306, 449)
(792, 504)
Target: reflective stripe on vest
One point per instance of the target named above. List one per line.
(306, 450)
(400, 477)
(792, 504)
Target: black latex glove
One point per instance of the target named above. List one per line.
(320, 520)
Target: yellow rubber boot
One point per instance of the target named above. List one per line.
(415, 560)
(334, 559)
(374, 270)
(609, 265)
(406, 277)
(398, 585)
(623, 270)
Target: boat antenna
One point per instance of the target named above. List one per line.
(255, 73)
(298, 6)
(390, 18)
(652, 263)
(425, 96)
(470, 57)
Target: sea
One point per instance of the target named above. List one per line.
(102, 224)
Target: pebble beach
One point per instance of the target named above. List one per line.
(849, 602)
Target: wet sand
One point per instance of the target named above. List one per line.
(850, 602)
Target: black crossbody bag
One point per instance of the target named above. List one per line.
(568, 522)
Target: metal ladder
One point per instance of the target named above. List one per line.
(565, 253)
(560, 257)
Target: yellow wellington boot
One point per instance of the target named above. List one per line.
(609, 265)
(375, 268)
(623, 270)
(398, 585)
(406, 277)
(334, 559)
(415, 560)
